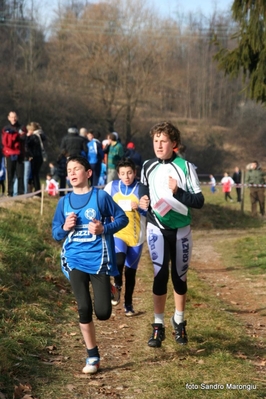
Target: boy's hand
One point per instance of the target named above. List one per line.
(134, 205)
(70, 222)
(172, 184)
(96, 227)
(144, 202)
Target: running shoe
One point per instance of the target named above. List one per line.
(115, 295)
(179, 331)
(129, 311)
(158, 335)
(92, 365)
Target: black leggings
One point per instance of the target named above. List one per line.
(130, 278)
(101, 291)
(170, 248)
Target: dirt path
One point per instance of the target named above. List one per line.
(245, 295)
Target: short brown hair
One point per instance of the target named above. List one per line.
(167, 128)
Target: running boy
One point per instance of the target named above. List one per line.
(172, 188)
(83, 219)
(129, 240)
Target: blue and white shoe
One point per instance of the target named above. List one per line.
(92, 365)
(129, 311)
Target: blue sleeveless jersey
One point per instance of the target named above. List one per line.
(82, 250)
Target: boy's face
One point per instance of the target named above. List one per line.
(126, 175)
(163, 146)
(78, 176)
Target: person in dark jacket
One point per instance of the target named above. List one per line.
(135, 156)
(73, 144)
(237, 179)
(61, 172)
(34, 139)
(13, 141)
(95, 155)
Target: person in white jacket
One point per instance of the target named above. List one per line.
(227, 183)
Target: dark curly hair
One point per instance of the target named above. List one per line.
(167, 128)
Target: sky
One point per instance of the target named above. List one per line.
(165, 7)
(205, 6)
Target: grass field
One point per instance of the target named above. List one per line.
(41, 348)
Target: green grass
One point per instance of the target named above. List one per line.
(41, 346)
(249, 251)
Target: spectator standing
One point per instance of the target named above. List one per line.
(129, 240)
(61, 172)
(53, 171)
(95, 155)
(256, 176)
(2, 173)
(73, 144)
(13, 141)
(212, 183)
(34, 145)
(105, 147)
(237, 179)
(87, 219)
(227, 183)
(135, 156)
(102, 178)
(115, 152)
(83, 133)
(172, 188)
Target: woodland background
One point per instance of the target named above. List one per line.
(119, 66)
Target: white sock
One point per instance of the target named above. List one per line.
(178, 317)
(159, 318)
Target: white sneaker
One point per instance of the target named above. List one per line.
(92, 365)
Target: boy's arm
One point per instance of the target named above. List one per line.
(193, 198)
(188, 199)
(58, 232)
(109, 208)
(143, 190)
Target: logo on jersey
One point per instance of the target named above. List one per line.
(90, 214)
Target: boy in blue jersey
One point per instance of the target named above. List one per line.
(87, 219)
(129, 240)
(172, 188)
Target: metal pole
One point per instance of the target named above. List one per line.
(243, 190)
(42, 197)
